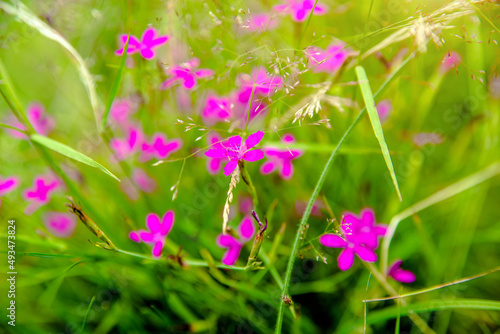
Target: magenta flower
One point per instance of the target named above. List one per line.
(216, 110)
(124, 148)
(214, 165)
(149, 41)
(280, 159)
(121, 110)
(157, 232)
(8, 184)
(159, 147)
(260, 22)
(359, 237)
(450, 61)
(234, 151)
(187, 74)
(42, 123)
(300, 9)
(260, 82)
(143, 180)
(43, 187)
(60, 224)
(400, 275)
(384, 109)
(245, 231)
(329, 60)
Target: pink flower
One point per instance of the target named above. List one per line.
(400, 275)
(329, 60)
(260, 82)
(280, 159)
(121, 111)
(300, 9)
(216, 110)
(260, 22)
(60, 224)
(186, 73)
(43, 187)
(384, 109)
(124, 148)
(8, 184)
(245, 231)
(143, 180)
(450, 61)
(234, 151)
(359, 237)
(214, 165)
(425, 138)
(159, 147)
(149, 41)
(157, 232)
(42, 123)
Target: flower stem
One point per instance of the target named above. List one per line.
(246, 178)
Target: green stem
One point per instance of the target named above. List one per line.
(246, 178)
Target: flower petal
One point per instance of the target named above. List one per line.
(153, 222)
(146, 236)
(167, 222)
(332, 240)
(253, 139)
(404, 276)
(231, 256)
(346, 259)
(230, 167)
(134, 236)
(246, 229)
(216, 153)
(158, 247)
(366, 254)
(253, 155)
(268, 167)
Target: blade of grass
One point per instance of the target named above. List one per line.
(87, 314)
(114, 89)
(441, 195)
(426, 306)
(23, 14)
(70, 153)
(366, 91)
(303, 222)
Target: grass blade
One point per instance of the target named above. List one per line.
(427, 306)
(376, 125)
(70, 153)
(87, 314)
(23, 14)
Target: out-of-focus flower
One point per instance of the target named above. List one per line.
(187, 74)
(157, 232)
(60, 224)
(145, 46)
(262, 84)
(145, 182)
(216, 110)
(359, 237)
(329, 60)
(124, 148)
(384, 109)
(450, 61)
(40, 193)
(214, 165)
(159, 147)
(400, 275)
(8, 184)
(425, 138)
(280, 159)
(121, 110)
(245, 231)
(260, 22)
(41, 122)
(301, 9)
(234, 151)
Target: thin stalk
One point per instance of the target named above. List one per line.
(248, 180)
